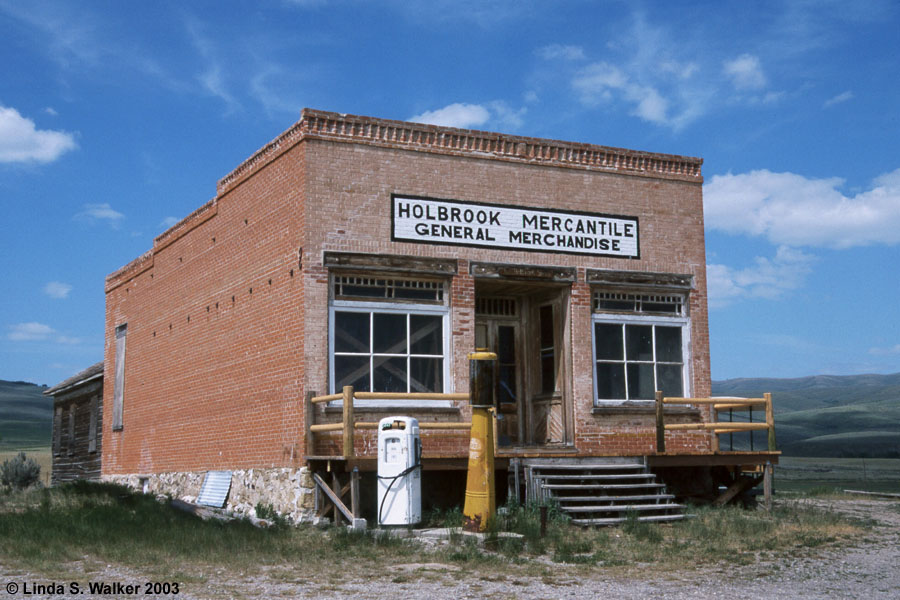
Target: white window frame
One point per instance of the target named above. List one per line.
(406, 308)
(659, 320)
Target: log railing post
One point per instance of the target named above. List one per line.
(660, 425)
(770, 421)
(309, 415)
(348, 421)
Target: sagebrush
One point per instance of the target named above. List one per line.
(20, 472)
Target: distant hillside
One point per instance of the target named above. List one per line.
(825, 415)
(26, 415)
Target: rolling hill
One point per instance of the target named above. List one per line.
(825, 415)
(26, 415)
(822, 415)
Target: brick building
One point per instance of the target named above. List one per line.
(375, 253)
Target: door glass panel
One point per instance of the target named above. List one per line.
(425, 334)
(639, 342)
(608, 341)
(390, 333)
(351, 332)
(389, 374)
(506, 344)
(481, 336)
(668, 344)
(640, 382)
(351, 370)
(610, 381)
(548, 351)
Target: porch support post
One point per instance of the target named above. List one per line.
(770, 421)
(349, 426)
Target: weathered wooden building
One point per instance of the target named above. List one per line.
(77, 426)
(375, 254)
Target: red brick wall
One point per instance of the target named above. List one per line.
(216, 373)
(214, 369)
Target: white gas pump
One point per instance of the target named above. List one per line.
(399, 471)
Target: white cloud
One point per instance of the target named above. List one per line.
(794, 210)
(100, 212)
(169, 222)
(554, 51)
(895, 349)
(455, 115)
(839, 99)
(745, 72)
(467, 116)
(30, 332)
(766, 278)
(57, 289)
(603, 83)
(21, 141)
(51, 111)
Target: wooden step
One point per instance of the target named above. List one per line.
(618, 520)
(607, 476)
(589, 467)
(634, 498)
(620, 507)
(601, 486)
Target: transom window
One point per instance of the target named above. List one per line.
(638, 303)
(359, 286)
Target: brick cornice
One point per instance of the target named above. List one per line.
(322, 125)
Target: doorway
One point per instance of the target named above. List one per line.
(523, 324)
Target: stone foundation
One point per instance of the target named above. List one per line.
(290, 492)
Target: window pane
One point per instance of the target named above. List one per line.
(351, 332)
(668, 344)
(608, 341)
(390, 333)
(666, 307)
(610, 381)
(389, 374)
(640, 382)
(426, 375)
(367, 288)
(425, 334)
(639, 342)
(548, 372)
(669, 378)
(351, 370)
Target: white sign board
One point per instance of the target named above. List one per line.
(432, 221)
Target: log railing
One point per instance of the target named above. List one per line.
(349, 424)
(716, 426)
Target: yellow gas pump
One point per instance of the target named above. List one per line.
(481, 500)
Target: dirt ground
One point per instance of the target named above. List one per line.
(869, 569)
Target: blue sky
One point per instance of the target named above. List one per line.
(117, 118)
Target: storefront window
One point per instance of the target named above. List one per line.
(637, 352)
(384, 345)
